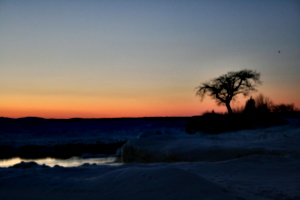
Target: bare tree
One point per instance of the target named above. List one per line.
(225, 88)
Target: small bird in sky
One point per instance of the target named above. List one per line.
(278, 51)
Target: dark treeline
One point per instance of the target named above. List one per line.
(257, 113)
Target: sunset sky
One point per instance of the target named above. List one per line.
(132, 58)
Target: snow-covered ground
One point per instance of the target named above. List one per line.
(252, 177)
(249, 164)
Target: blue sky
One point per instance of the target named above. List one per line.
(141, 58)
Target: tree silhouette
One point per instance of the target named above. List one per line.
(225, 88)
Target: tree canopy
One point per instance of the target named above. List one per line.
(225, 88)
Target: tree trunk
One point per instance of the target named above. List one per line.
(229, 108)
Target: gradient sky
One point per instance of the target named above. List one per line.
(64, 59)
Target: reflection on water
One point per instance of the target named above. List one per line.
(71, 162)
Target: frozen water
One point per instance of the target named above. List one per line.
(70, 162)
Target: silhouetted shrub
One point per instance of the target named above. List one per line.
(284, 108)
(263, 104)
(250, 107)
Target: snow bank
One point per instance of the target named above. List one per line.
(164, 148)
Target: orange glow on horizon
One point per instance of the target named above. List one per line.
(91, 107)
(109, 110)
